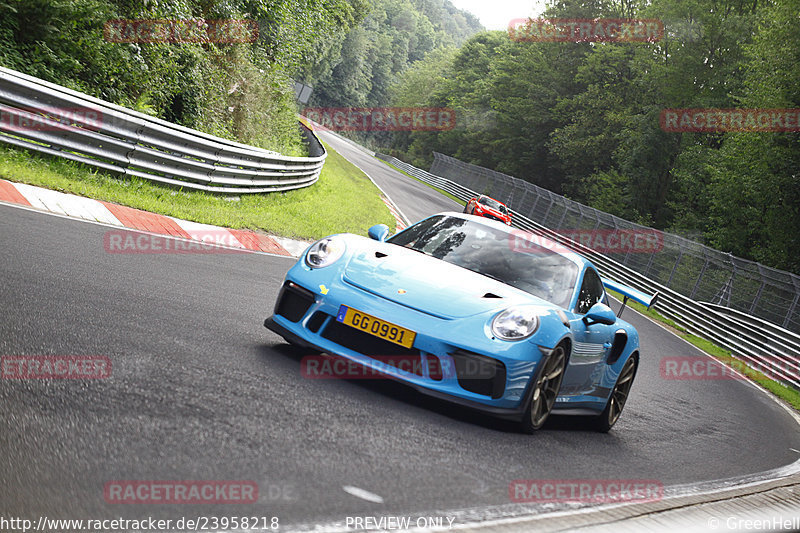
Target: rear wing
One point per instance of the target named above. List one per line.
(630, 293)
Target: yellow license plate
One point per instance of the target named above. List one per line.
(375, 326)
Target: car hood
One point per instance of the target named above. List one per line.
(429, 285)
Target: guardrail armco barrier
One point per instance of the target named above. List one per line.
(760, 344)
(50, 119)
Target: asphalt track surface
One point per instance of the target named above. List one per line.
(200, 390)
(414, 199)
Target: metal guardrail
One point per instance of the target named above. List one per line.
(53, 120)
(762, 345)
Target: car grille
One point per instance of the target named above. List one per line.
(387, 352)
(475, 372)
(493, 217)
(316, 321)
(480, 374)
(293, 302)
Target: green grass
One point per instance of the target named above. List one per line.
(784, 392)
(343, 200)
(437, 189)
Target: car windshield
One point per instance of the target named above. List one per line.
(494, 253)
(491, 202)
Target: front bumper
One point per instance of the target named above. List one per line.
(309, 320)
(512, 413)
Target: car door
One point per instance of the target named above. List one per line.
(591, 342)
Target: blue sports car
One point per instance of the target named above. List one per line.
(469, 310)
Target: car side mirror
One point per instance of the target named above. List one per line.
(599, 313)
(378, 232)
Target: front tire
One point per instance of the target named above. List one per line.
(619, 395)
(545, 391)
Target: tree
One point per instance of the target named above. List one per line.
(755, 200)
(394, 36)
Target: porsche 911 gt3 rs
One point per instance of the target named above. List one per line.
(456, 307)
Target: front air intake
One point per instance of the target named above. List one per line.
(293, 302)
(480, 374)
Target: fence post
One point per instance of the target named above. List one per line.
(652, 257)
(627, 255)
(791, 310)
(547, 212)
(596, 220)
(535, 203)
(677, 262)
(700, 277)
(760, 289)
(560, 228)
(525, 192)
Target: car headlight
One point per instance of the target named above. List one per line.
(515, 323)
(325, 252)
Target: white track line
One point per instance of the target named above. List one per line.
(363, 494)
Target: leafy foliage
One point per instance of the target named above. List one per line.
(240, 91)
(755, 187)
(395, 35)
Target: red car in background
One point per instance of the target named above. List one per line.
(484, 206)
